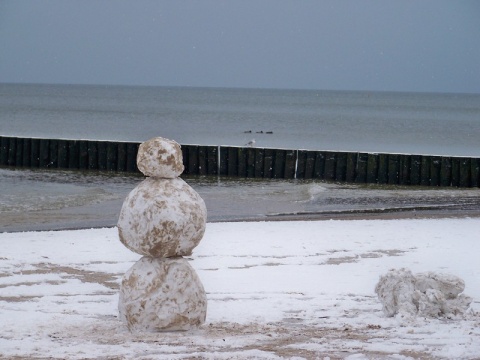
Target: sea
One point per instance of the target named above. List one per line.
(420, 123)
(364, 121)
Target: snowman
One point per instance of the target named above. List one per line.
(163, 219)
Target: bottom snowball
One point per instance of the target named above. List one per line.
(162, 294)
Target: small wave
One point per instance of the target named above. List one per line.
(308, 192)
(314, 190)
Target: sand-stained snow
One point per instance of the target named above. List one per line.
(275, 290)
(430, 294)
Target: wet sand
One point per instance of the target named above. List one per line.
(61, 200)
(371, 215)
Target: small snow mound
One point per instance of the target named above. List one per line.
(432, 295)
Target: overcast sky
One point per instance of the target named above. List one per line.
(402, 45)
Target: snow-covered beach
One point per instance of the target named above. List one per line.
(275, 290)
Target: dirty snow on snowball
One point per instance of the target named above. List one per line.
(302, 290)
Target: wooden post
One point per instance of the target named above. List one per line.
(415, 169)
(309, 165)
(446, 171)
(12, 151)
(319, 166)
(301, 164)
(53, 153)
(212, 160)
(44, 159)
(73, 154)
(330, 163)
(372, 168)
(465, 168)
(475, 172)
(202, 160)
(341, 167)
(393, 169)
(382, 174)
(132, 150)
(268, 163)
(279, 164)
(259, 162)
(232, 161)
(425, 171)
(122, 156)
(242, 161)
(250, 162)
(404, 170)
(290, 162)
(102, 155)
(112, 155)
(92, 155)
(435, 167)
(35, 153)
(223, 160)
(83, 152)
(63, 154)
(19, 152)
(27, 153)
(351, 167)
(186, 169)
(192, 159)
(4, 145)
(361, 169)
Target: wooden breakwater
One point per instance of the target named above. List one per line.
(353, 167)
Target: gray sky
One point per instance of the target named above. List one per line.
(402, 45)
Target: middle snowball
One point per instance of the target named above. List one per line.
(162, 218)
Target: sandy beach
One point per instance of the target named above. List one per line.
(289, 269)
(276, 290)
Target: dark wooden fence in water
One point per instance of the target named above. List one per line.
(353, 167)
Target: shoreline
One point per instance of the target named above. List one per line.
(350, 215)
(43, 201)
(363, 215)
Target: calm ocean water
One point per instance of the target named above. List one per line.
(443, 124)
(317, 120)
